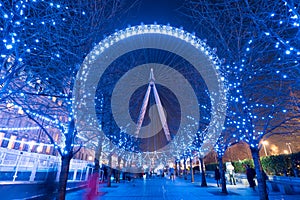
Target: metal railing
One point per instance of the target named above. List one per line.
(26, 166)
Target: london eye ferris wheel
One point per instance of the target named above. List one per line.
(144, 92)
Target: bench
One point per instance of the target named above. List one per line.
(284, 184)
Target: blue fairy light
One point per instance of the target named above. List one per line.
(9, 46)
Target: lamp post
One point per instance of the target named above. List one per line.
(288, 144)
(264, 143)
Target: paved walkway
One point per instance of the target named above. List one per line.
(180, 189)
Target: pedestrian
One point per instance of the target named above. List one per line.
(93, 184)
(172, 175)
(250, 172)
(230, 170)
(161, 172)
(217, 175)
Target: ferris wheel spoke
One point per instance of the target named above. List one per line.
(159, 106)
(143, 111)
(161, 114)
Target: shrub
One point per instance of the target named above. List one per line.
(279, 165)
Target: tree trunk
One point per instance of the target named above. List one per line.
(203, 177)
(262, 186)
(63, 177)
(192, 171)
(176, 168)
(184, 172)
(109, 172)
(222, 173)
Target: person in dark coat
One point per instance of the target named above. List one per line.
(217, 175)
(250, 172)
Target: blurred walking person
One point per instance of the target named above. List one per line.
(217, 175)
(250, 172)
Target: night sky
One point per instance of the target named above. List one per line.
(159, 10)
(150, 11)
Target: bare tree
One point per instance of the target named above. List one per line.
(45, 42)
(260, 43)
(226, 139)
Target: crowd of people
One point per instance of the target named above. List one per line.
(250, 174)
(171, 172)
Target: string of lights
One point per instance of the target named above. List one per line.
(147, 36)
(30, 143)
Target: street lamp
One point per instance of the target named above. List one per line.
(264, 143)
(289, 146)
(285, 152)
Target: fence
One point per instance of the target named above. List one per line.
(26, 166)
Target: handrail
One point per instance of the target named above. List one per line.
(15, 163)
